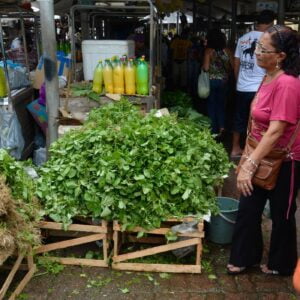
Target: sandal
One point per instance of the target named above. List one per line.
(267, 271)
(233, 270)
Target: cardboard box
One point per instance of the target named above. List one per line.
(63, 69)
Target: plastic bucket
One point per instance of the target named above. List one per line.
(220, 229)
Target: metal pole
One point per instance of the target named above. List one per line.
(50, 66)
(152, 37)
(5, 68)
(233, 21)
(194, 15)
(210, 13)
(281, 12)
(24, 43)
(177, 23)
(84, 19)
(37, 38)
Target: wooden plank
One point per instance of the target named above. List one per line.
(70, 243)
(80, 261)
(23, 283)
(168, 268)
(116, 242)
(30, 261)
(162, 231)
(198, 253)
(105, 247)
(147, 240)
(73, 227)
(155, 250)
(11, 276)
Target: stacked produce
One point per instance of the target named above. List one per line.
(122, 77)
(134, 169)
(181, 103)
(19, 209)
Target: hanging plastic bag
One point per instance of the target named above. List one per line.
(186, 227)
(203, 85)
(11, 138)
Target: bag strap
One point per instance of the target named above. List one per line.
(250, 117)
(293, 137)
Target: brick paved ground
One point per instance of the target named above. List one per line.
(82, 283)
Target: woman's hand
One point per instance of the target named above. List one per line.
(244, 177)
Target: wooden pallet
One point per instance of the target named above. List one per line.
(31, 268)
(120, 260)
(81, 234)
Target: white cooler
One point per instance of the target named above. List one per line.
(95, 50)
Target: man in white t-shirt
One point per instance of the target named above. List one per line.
(249, 76)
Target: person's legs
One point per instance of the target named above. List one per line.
(243, 102)
(220, 105)
(176, 74)
(247, 242)
(211, 103)
(283, 245)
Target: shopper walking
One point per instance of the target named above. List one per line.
(179, 52)
(217, 62)
(248, 75)
(275, 114)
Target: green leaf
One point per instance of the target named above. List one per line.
(186, 194)
(164, 275)
(124, 291)
(106, 212)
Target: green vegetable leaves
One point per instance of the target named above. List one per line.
(134, 169)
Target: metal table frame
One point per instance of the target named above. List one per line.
(118, 10)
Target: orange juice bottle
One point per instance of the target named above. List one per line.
(98, 78)
(108, 77)
(118, 77)
(130, 78)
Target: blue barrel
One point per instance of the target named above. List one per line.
(220, 229)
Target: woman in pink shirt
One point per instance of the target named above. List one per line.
(275, 115)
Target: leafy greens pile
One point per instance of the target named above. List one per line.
(19, 208)
(134, 169)
(181, 103)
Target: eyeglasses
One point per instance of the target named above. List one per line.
(260, 49)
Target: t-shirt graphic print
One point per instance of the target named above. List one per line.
(250, 74)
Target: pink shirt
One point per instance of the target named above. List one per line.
(278, 100)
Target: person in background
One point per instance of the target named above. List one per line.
(217, 62)
(195, 54)
(275, 114)
(248, 75)
(179, 53)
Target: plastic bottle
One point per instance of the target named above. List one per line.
(130, 78)
(118, 77)
(142, 77)
(3, 87)
(108, 77)
(98, 78)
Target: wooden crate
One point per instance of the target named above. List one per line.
(193, 238)
(81, 234)
(30, 267)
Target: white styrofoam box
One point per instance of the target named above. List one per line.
(95, 50)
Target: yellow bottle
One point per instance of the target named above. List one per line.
(118, 75)
(3, 87)
(130, 78)
(98, 78)
(108, 77)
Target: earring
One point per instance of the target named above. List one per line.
(277, 65)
